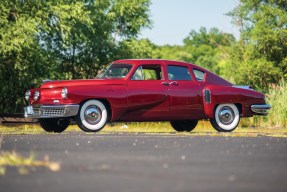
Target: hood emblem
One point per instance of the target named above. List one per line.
(46, 80)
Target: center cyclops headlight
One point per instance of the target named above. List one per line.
(27, 95)
(64, 93)
(36, 95)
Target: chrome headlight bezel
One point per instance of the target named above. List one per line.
(36, 95)
(64, 93)
(27, 95)
(265, 99)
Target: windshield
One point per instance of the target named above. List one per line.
(116, 71)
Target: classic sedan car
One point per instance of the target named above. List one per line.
(144, 90)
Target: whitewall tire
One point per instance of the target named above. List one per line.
(92, 116)
(226, 118)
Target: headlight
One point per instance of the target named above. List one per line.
(64, 93)
(36, 95)
(27, 95)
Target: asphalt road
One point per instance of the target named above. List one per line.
(147, 163)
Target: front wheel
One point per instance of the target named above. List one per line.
(92, 116)
(56, 125)
(226, 118)
(182, 126)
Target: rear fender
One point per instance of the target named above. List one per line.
(209, 102)
(214, 95)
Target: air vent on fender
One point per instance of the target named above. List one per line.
(207, 96)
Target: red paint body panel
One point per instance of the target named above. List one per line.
(152, 100)
(148, 103)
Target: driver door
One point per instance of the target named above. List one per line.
(147, 96)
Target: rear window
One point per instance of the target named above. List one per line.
(199, 75)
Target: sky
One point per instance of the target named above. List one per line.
(172, 20)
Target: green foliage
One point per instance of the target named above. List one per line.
(168, 52)
(133, 48)
(277, 118)
(64, 39)
(262, 48)
(24, 164)
(204, 48)
(213, 38)
(277, 97)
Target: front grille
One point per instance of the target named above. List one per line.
(207, 96)
(53, 112)
(36, 110)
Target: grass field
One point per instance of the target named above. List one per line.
(162, 128)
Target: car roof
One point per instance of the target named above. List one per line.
(211, 77)
(166, 61)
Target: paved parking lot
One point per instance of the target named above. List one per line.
(146, 163)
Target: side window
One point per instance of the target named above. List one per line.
(147, 72)
(178, 73)
(138, 75)
(199, 74)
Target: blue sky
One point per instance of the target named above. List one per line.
(174, 19)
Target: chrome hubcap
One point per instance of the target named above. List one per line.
(93, 114)
(226, 115)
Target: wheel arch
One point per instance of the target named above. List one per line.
(238, 105)
(219, 94)
(210, 109)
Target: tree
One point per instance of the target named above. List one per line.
(64, 39)
(213, 38)
(86, 35)
(261, 53)
(204, 48)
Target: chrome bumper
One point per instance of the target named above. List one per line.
(51, 111)
(261, 109)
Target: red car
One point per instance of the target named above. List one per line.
(144, 90)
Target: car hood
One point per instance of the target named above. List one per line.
(81, 82)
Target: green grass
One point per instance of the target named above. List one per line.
(277, 118)
(161, 128)
(24, 164)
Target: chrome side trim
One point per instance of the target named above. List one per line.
(51, 111)
(243, 87)
(207, 96)
(262, 109)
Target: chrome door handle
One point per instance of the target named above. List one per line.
(173, 83)
(165, 83)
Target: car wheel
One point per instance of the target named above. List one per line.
(226, 118)
(92, 116)
(56, 125)
(181, 126)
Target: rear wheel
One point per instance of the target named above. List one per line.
(182, 126)
(56, 125)
(226, 118)
(92, 116)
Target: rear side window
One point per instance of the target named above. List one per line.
(178, 73)
(198, 74)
